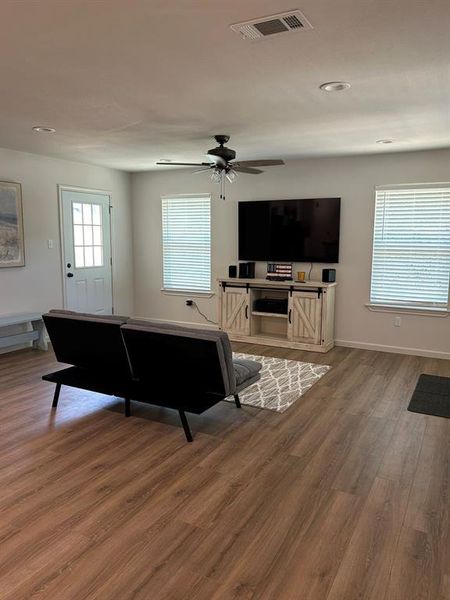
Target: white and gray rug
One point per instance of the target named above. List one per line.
(282, 382)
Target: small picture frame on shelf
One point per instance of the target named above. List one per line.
(279, 271)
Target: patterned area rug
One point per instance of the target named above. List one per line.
(282, 382)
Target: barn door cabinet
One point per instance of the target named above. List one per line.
(235, 304)
(307, 324)
(305, 317)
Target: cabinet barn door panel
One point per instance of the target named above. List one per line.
(305, 317)
(235, 311)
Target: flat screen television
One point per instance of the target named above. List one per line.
(304, 230)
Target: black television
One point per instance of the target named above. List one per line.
(304, 230)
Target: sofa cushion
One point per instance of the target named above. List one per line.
(214, 334)
(245, 369)
(163, 324)
(72, 313)
(196, 356)
(93, 342)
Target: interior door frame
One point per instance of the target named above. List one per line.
(72, 188)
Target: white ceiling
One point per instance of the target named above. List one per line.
(128, 82)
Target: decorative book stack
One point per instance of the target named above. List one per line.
(279, 271)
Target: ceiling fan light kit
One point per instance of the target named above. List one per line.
(221, 165)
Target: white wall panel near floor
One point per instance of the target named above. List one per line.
(38, 286)
(352, 178)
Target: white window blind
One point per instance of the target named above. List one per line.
(411, 247)
(186, 234)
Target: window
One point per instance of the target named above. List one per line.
(411, 247)
(186, 235)
(87, 234)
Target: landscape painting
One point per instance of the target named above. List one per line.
(11, 225)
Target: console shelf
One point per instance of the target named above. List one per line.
(308, 325)
(256, 313)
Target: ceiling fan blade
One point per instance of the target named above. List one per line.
(201, 170)
(180, 164)
(258, 163)
(247, 170)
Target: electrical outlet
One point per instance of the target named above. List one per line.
(189, 302)
(397, 321)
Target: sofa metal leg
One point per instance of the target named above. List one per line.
(238, 402)
(127, 407)
(56, 395)
(185, 423)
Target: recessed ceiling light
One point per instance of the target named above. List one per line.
(43, 129)
(335, 86)
(387, 141)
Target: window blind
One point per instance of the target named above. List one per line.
(186, 235)
(411, 247)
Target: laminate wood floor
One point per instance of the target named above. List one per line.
(345, 496)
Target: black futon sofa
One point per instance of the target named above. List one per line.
(187, 369)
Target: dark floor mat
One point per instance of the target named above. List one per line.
(431, 396)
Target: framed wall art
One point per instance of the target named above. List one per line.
(11, 225)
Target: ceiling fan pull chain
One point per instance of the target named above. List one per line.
(223, 185)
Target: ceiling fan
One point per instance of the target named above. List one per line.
(222, 165)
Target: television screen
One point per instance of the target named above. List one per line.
(290, 230)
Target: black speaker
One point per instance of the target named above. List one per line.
(243, 270)
(328, 275)
(232, 271)
(251, 270)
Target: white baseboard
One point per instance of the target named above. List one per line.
(394, 349)
(182, 323)
(345, 343)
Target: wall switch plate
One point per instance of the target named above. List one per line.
(397, 321)
(50, 244)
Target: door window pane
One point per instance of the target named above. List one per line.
(98, 256)
(87, 213)
(79, 257)
(96, 214)
(87, 235)
(88, 256)
(77, 213)
(97, 236)
(78, 235)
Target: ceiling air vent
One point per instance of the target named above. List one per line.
(257, 29)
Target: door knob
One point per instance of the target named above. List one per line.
(69, 274)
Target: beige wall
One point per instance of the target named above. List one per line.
(38, 285)
(352, 178)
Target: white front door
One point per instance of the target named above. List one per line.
(86, 250)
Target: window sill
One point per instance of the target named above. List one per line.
(187, 293)
(424, 311)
